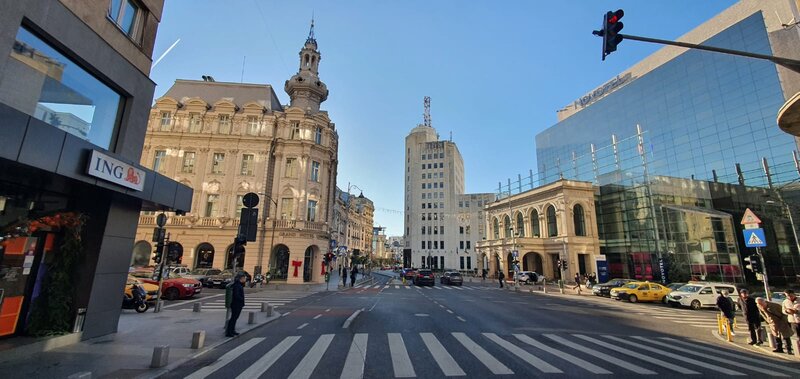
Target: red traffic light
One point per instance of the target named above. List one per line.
(615, 16)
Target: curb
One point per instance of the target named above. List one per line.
(754, 349)
(172, 366)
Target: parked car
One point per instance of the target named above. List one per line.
(641, 291)
(177, 288)
(604, 289)
(150, 289)
(177, 271)
(530, 277)
(202, 274)
(452, 277)
(675, 286)
(224, 278)
(409, 273)
(424, 277)
(697, 295)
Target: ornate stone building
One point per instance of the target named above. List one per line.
(353, 217)
(545, 224)
(228, 139)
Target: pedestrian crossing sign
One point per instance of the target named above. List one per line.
(754, 238)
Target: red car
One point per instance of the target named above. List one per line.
(173, 288)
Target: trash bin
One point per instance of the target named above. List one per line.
(80, 317)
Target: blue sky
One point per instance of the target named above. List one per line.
(496, 71)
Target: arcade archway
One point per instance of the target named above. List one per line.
(279, 262)
(204, 258)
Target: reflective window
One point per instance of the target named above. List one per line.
(188, 162)
(126, 14)
(158, 160)
(579, 220)
(535, 223)
(552, 224)
(218, 163)
(248, 162)
(311, 212)
(41, 82)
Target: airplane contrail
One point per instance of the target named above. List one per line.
(165, 54)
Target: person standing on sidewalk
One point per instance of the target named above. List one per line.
(237, 303)
(502, 278)
(791, 308)
(778, 325)
(353, 273)
(750, 310)
(577, 283)
(725, 305)
(344, 276)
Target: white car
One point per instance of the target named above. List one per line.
(698, 295)
(530, 277)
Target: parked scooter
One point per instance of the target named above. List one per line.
(257, 279)
(137, 301)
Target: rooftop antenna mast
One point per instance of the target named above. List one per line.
(427, 115)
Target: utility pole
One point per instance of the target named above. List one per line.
(159, 237)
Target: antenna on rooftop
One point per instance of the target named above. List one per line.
(426, 117)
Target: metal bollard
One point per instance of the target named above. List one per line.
(264, 306)
(160, 356)
(198, 339)
(197, 307)
(269, 310)
(544, 286)
(251, 317)
(81, 375)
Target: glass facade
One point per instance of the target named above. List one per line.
(703, 111)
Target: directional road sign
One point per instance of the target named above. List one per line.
(754, 238)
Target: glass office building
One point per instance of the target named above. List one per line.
(708, 122)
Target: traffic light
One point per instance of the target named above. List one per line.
(157, 255)
(564, 265)
(610, 32)
(754, 263)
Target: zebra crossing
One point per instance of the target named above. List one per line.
(253, 302)
(387, 286)
(425, 354)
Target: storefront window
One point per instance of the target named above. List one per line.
(40, 81)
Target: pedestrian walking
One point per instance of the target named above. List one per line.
(750, 310)
(791, 308)
(353, 273)
(344, 276)
(778, 324)
(483, 275)
(725, 306)
(237, 303)
(502, 278)
(577, 283)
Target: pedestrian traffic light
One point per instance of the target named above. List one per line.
(610, 32)
(755, 264)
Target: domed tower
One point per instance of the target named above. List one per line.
(305, 89)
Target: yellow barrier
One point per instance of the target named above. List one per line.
(722, 327)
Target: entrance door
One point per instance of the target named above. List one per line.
(21, 274)
(281, 262)
(582, 264)
(308, 264)
(205, 256)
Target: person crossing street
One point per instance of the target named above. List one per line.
(237, 303)
(502, 278)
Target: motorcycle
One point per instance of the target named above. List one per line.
(257, 279)
(137, 301)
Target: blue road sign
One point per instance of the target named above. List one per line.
(754, 238)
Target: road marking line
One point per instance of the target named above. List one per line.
(740, 357)
(317, 316)
(225, 359)
(482, 355)
(328, 310)
(440, 305)
(312, 358)
(461, 318)
(678, 357)
(447, 288)
(563, 355)
(726, 361)
(193, 301)
(407, 287)
(613, 360)
(401, 363)
(354, 364)
(350, 319)
(522, 354)
(449, 311)
(302, 326)
(642, 357)
(396, 287)
(286, 314)
(263, 364)
(441, 356)
(458, 288)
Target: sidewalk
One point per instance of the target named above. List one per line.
(128, 353)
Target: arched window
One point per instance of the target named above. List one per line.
(507, 228)
(552, 225)
(520, 225)
(535, 224)
(306, 63)
(579, 219)
(496, 229)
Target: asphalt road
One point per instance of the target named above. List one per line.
(478, 331)
(213, 299)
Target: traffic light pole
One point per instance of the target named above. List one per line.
(164, 258)
(791, 64)
(764, 274)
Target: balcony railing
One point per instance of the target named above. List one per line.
(192, 221)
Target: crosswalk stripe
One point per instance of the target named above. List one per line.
(407, 287)
(458, 288)
(482, 355)
(225, 359)
(629, 353)
(563, 355)
(676, 356)
(524, 355)
(378, 286)
(441, 356)
(354, 364)
(613, 360)
(312, 358)
(396, 287)
(713, 358)
(447, 288)
(400, 360)
(263, 364)
(736, 356)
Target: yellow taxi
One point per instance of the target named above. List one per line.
(641, 291)
(150, 289)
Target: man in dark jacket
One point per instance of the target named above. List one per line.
(725, 306)
(237, 303)
(750, 310)
(353, 273)
(502, 278)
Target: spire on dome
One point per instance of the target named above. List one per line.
(311, 39)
